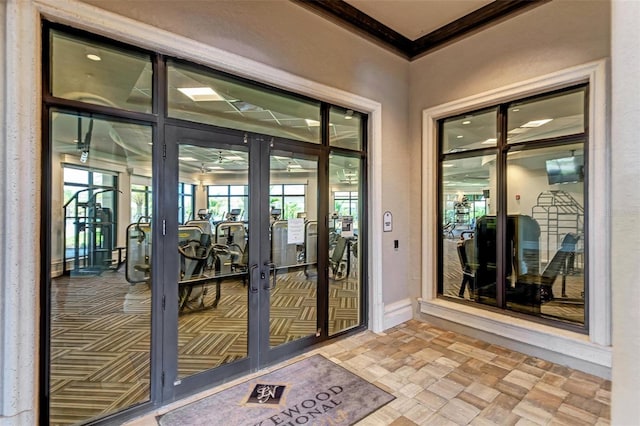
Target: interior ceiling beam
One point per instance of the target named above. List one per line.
(354, 19)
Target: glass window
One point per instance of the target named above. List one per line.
(546, 230)
(185, 203)
(73, 175)
(467, 185)
(92, 72)
(290, 199)
(469, 131)
(550, 117)
(526, 255)
(88, 201)
(213, 98)
(345, 284)
(141, 202)
(94, 290)
(346, 204)
(217, 190)
(222, 199)
(345, 128)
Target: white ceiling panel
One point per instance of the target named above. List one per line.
(416, 18)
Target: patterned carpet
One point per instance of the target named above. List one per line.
(100, 335)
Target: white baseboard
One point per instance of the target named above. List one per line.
(397, 312)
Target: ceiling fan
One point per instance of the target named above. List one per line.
(348, 176)
(216, 162)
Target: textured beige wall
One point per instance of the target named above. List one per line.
(291, 38)
(625, 202)
(551, 37)
(3, 194)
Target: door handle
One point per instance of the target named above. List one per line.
(252, 282)
(272, 267)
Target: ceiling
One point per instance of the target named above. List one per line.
(412, 28)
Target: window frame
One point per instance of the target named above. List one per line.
(501, 150)
(598, 212)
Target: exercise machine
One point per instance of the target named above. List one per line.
(138, 259)
(94, 229)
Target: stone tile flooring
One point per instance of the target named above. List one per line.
(443, 378)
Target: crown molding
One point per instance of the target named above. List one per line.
(355, 20)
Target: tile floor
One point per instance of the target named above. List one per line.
(443, 378)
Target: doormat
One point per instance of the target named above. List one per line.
(313, 391)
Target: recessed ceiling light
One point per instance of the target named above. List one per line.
(214, 168)
(447, 165)
(490, 141)
(465, 122)
(200, 94)
(94, 57)
(536, 123)
(459, 137)
(515, 110)
(234, 158)
(187, 159)
(294, 166)
(348, 115)
(312, 123)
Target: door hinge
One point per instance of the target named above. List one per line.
(164, 302)
(164, 151)
(164, 227)
(162, 378)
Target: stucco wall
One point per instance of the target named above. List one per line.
(291, 38)
(555, 36)
(625, 201)
(3, 194)
(19, 257)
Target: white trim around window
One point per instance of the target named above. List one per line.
(594, 348)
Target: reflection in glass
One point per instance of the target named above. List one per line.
(141, 201)
(471, 131)
(345, 128)
(87, 71)
(213, 255)
(546, 230)
(223, 199)
(344, 225)
(294, 247)
(468, 228)
(100, 312)
(204, 96)
(290, 199)
(548, 117)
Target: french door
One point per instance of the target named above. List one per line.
(241, 282)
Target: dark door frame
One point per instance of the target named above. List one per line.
(259, 354)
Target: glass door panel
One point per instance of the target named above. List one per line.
(213, 256)
(293, 205)
(100, 276)
(344, 225)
